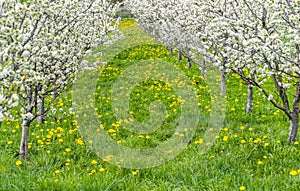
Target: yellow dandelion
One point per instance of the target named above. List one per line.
(101, 169)
(67, 150)
(18, 163)
(293, 173)
(225, 138)
(200, 141)
(94, 162)
(111, 131)
(243, 188)
(135, 172)
(260, 162)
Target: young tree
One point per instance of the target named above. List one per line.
(262, 46)
(42, 44)
(256, 39)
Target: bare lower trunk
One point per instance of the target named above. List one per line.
(294, 123)
(179, 56)
(41, 110)
(189, 63)
(223, 81)
(203, 67)
(24, 140)
(250, 98)
(171, 51)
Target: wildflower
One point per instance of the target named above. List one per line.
(67, 150)
(243, 141)
(18, 163)
(94, 162)
(225, 138)
(243, 188)
(200, 141)
(260, 162)
(111, 131)
(135, 172)
(57, 172)
(293, 173)
(79, 141)
(101, 169)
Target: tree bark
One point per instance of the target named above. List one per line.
(203, 67)
(223, 81)
(189, 63)
(41, 110)
(171, 51)
(294, 123)
(179, 56)
(24, 139)
(250, 98)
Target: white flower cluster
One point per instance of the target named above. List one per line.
(256, 39)
(43, 42)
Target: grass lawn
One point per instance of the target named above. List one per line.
(251, 151)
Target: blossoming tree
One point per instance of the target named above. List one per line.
(256, 39)
(41, 46)
(262, 46)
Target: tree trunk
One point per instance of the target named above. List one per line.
(24, 139)
(171, 51)
(223, 81)
(250, 98)
(189, 63)
(294, 123)
(179, 56)
(203, 67)
(41, 110)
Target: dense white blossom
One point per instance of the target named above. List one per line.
(257, 39)
(42, 44)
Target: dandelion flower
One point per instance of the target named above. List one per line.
(94, 162)
(225, 138)
(293, 173)
(18, 163)
(260, 162)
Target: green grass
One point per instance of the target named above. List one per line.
(230, 163)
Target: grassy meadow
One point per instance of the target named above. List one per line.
(251, 152)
